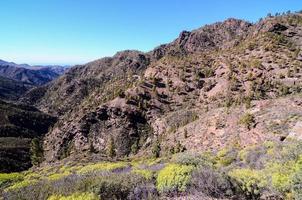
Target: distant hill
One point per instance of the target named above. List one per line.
(16, 79)
(35, 75)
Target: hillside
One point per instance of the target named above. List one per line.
(19, 124)
(11, 89)
(215, 114)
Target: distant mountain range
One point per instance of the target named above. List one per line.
(35, 75)
(16, 79)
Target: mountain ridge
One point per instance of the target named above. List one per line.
(214, 66)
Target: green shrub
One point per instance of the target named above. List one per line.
(103, 166)
(22, 184)
(296, 179)
(193, 159)
(58, 176)
(75, 196)
(147, 174)
(248, 120)
(10, 178)
(280, 175)
(225, 157)
(174, 177)
(250, 182)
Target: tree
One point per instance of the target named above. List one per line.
(134, 147)
(156, 149)
(185, 133)
(36, 151)
(111, 151)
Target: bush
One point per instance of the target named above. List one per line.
(210, 182)
(117, 186)
(75, 196)
(147, 174)
(21, 184)
(103, 166)
(248, 120)
(296, 179)
(280, 175)
(174, 177)
(58, 176)
(248, 181)
(225, 157)
(193, 159)
(10, 178)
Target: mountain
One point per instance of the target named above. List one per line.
(35, 75)
(215, 114)
(173, 87)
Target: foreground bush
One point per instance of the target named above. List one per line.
(76, 196)
(174, 177)
(211, 182)
(6, 178)
(250, 182)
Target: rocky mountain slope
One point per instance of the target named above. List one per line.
(221, 84)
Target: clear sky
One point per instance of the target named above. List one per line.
(78, 31)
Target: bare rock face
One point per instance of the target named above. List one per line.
(93, 131)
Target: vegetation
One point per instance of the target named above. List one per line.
(156, 149)
(111, 151)
(271, 168)
(174, 177)
(36, 150)
(75, 196)
(248, 120)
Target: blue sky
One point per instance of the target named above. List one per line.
(78, 31)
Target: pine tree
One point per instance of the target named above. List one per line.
(36, 151)
(111, 148)
(156, 149)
